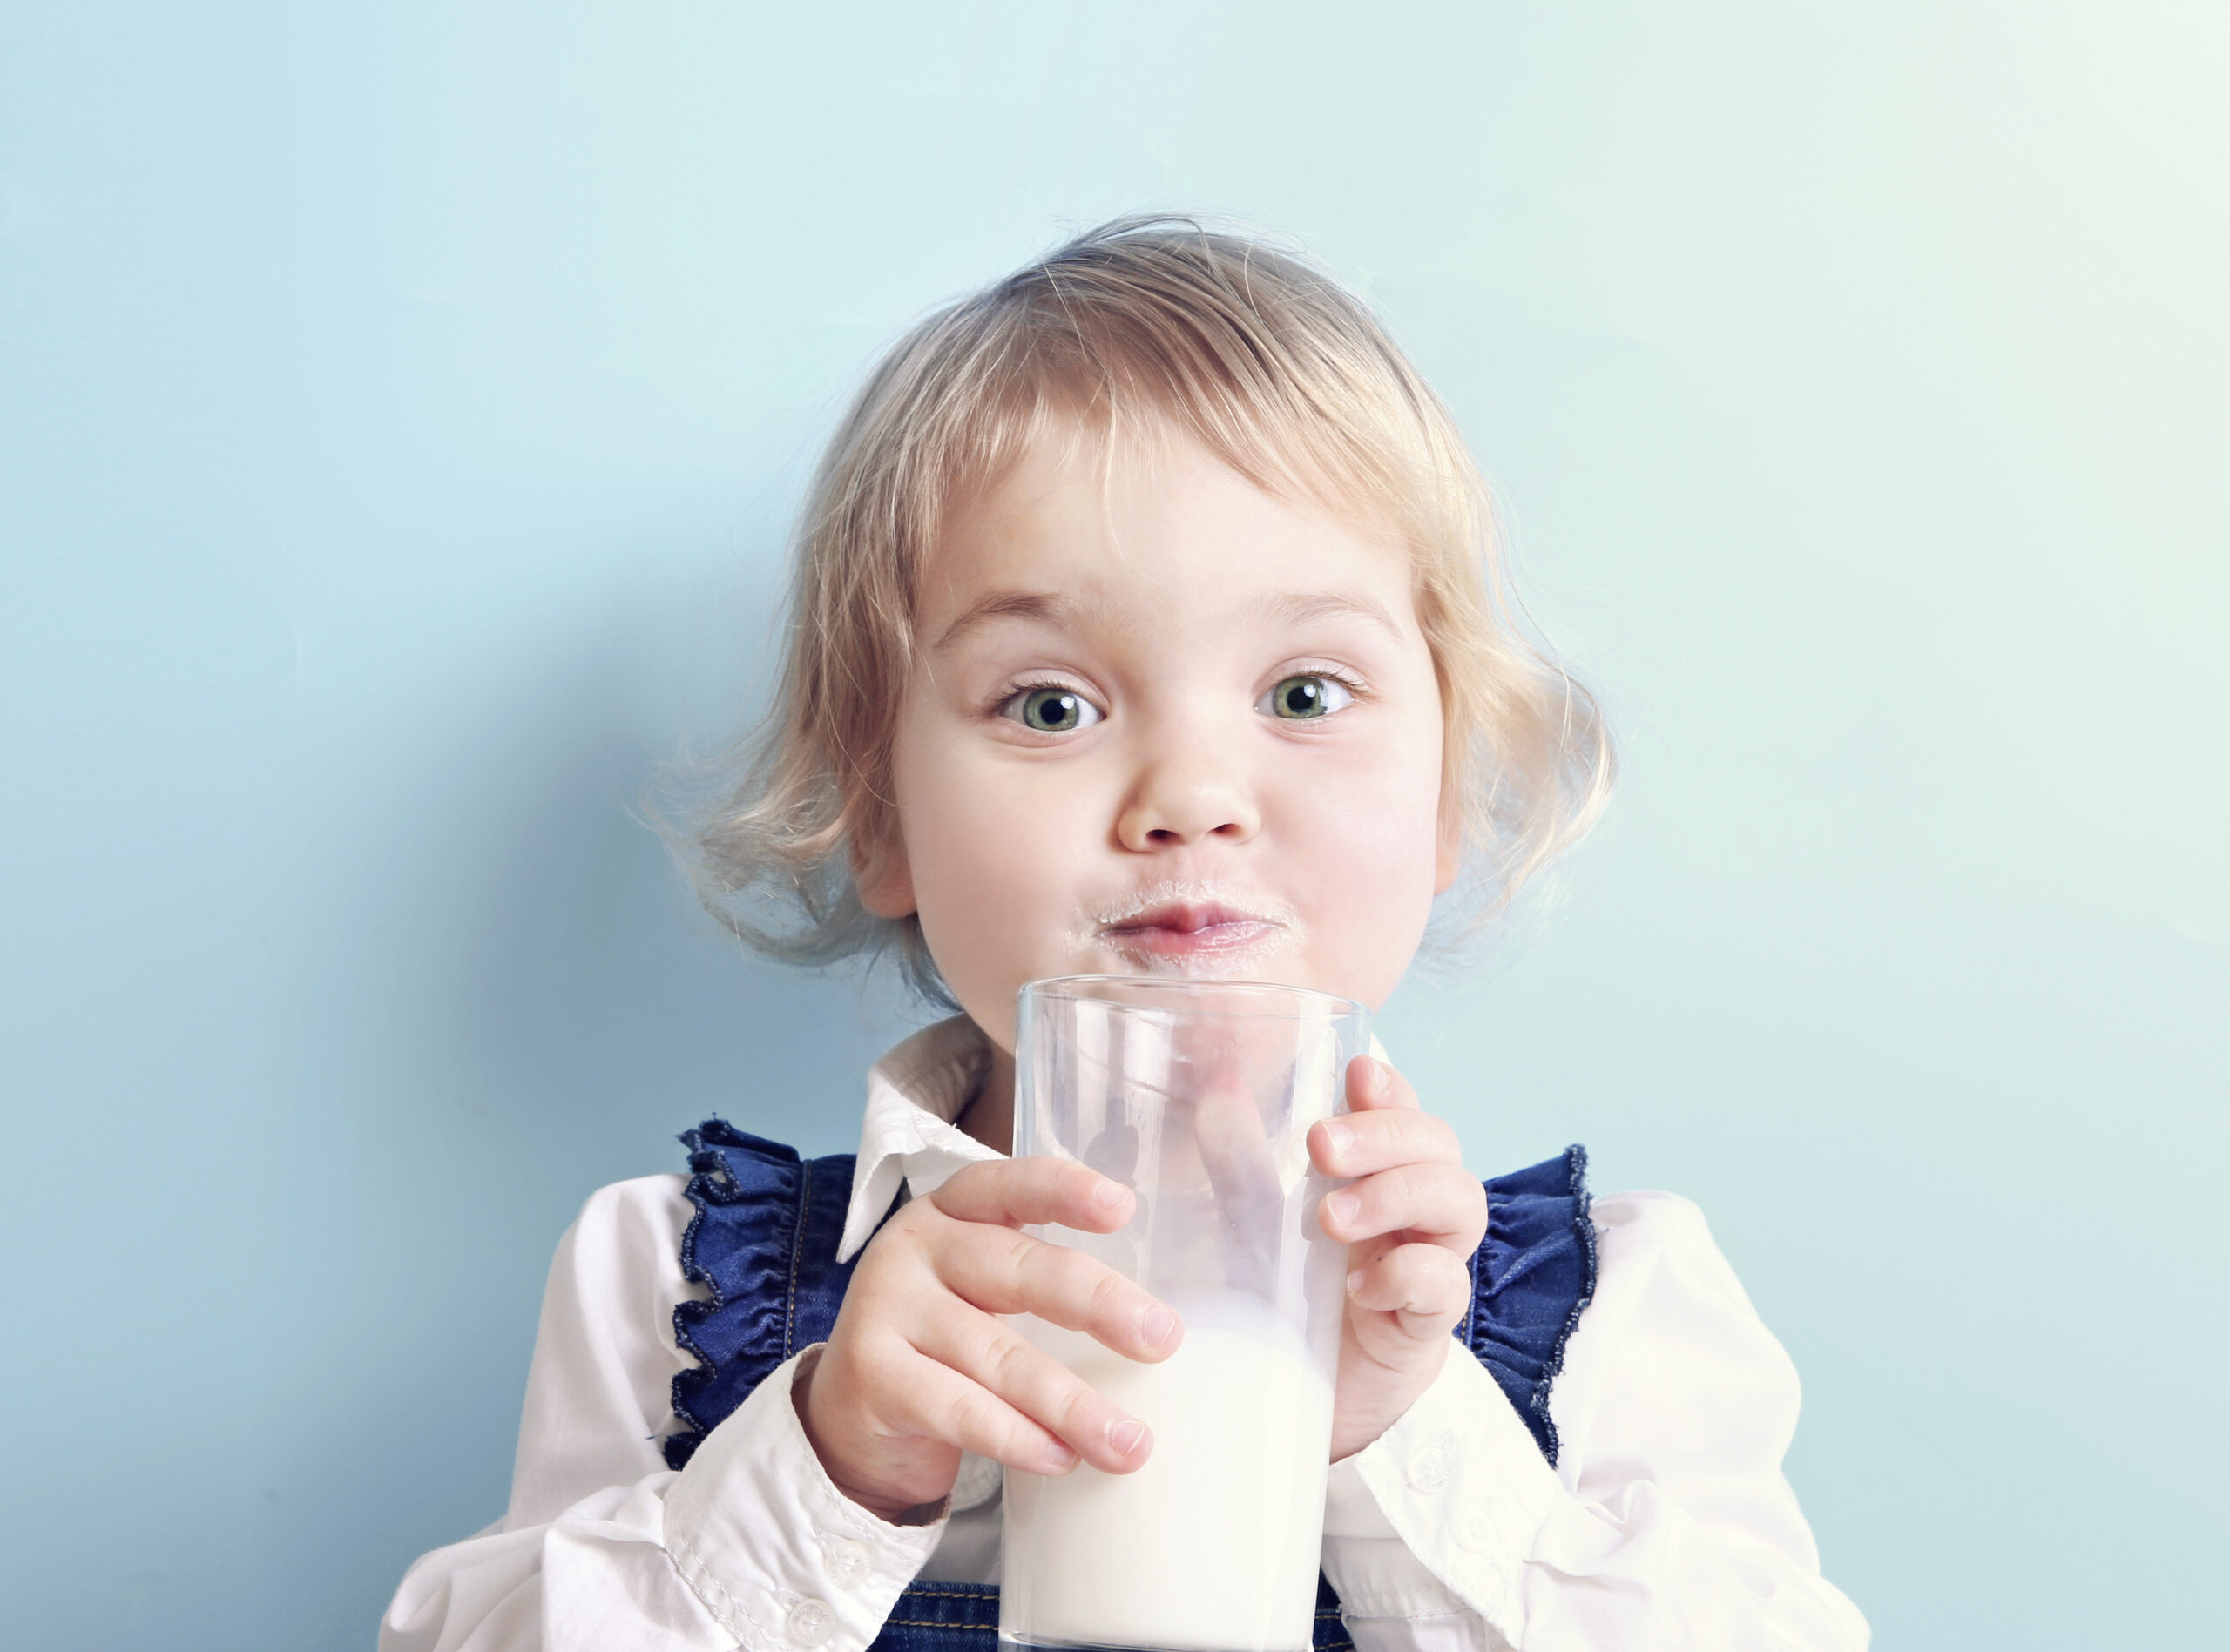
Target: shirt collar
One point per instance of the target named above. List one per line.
(914, 1095)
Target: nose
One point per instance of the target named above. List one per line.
(1187, 795)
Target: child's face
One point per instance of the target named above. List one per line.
(1162, 722)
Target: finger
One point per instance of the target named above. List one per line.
(940, 1402)
(1028, 1381)
(1012, 1192)
(1424, 1284)
(1438, 1203)
(999, 1271)
(1362, 1142)
(1235, 1150)
(1373, 1084)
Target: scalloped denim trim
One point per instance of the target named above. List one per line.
(709, 1178)
(1583, 1228)
(1552, 1361)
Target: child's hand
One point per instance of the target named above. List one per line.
(1410, 1219)
(918, 1368)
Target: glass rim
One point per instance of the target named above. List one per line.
(1300, 1002)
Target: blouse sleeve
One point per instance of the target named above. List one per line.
(606, 1549)
(1666, 1521)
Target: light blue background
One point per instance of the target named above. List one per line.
(400, 410)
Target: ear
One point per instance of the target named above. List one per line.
(882, 874)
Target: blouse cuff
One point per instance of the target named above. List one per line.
(777, 1554)
(1461, 1482)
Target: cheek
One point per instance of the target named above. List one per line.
(1382, 841)
(997, 854)
(1371, 844)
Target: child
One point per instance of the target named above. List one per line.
(1145, 621)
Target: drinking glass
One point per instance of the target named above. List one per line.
(1197, 1096)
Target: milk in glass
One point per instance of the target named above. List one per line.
(1213, 1546)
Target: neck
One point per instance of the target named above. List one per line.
(990, 1117)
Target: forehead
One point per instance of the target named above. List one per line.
(1157, 530)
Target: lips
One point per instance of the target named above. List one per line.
(1175, 929)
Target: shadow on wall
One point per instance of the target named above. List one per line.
(539, 1009)
(600, 1003)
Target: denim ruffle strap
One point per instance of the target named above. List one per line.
(1532, 1278)
(763, 1243)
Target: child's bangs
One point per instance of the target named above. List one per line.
(1308, 413)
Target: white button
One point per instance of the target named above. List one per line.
(847, 1564)
(1428, 1469)
(811, 1623)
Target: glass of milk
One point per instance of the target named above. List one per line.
(1198, 1096)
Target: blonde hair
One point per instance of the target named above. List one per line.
(1143, 326)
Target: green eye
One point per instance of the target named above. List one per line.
(1052, 710)
(1298, 698)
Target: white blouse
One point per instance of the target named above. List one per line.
(1665, 1522)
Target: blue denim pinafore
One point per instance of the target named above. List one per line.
(763, 1243)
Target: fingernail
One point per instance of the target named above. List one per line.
(1337, 1136)
(1125, 1437)
(1374, 1078)
(1155, 1325)
(1354, 1282)
(1340, 1207)
(1108, 1194)
(1059, 1459)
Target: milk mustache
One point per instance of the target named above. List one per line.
(1214, 1545)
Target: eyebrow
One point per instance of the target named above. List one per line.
(1054, 609)
(1301, 610)
(1044, 605)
